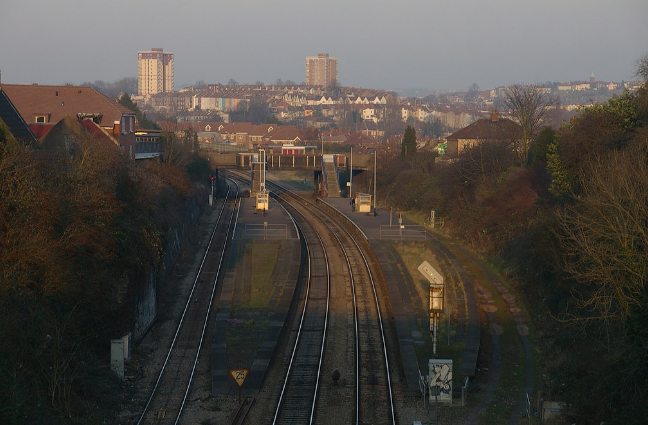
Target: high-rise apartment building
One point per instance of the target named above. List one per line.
(154, 72)
(321, 70)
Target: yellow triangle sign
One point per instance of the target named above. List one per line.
(239, 375)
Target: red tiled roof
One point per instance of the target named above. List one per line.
(69, 129)
(98, 132)
(41, 129)
(285, 133)
(58, 101)
(487, 129)
(242, 127)
(262, 129)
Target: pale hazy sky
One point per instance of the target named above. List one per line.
(439, 44)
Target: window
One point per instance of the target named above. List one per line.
(40, 118)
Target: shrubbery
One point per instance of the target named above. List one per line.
(572, 228)
(77, 237)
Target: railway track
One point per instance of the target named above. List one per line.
(374, 395)
(298, 396)
(352, 345)
(169, 394)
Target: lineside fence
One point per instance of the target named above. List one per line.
(403, 232)
(265, 231)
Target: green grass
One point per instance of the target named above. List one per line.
(413, 254)
(513, 377)
(264, 258)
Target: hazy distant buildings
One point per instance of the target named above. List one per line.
(154, 72)
(321, 70)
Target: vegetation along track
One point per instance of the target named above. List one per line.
(171, 390)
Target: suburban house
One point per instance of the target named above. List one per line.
(243, 134)
(42, 107)
(369, 114)
(371, 129)
(284, 135)
(237, 133)
(481, 131)
(259, 132)
(337, 137)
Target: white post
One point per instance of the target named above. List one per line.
(117, 357)
(351, 175)
(435, 331)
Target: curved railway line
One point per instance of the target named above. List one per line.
(336, 361)
(352, 344)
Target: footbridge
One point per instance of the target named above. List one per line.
(326, 168)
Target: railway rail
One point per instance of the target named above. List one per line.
(169, 394)
(308, 394)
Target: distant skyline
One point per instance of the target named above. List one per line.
(389, 45)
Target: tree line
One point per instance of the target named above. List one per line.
(79, 234)
(564, 212)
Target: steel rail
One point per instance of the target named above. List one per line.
(184, 315)
(301, 323)
(211, 300)
(375, 296)
(284, 190)
(298, 339)
(356, 333)
(382, 331)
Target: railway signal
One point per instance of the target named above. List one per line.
(436, 298)
(211, 197)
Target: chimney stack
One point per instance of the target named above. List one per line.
(494, 116)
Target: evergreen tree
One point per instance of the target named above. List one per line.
(409, 141)
(144, 122)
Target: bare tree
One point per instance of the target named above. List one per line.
(471, 96)
(642, 68)
(485, 160)
(605, 238)
(530, 106)
(178, 150)
(392, 117)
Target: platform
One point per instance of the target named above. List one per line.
(255, 331)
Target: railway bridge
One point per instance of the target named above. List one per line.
(326, 168)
